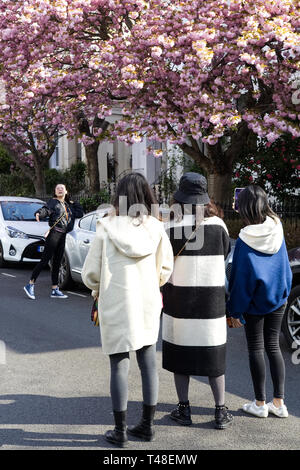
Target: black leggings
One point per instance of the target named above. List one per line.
(54, 247)
(119, 364)
(262, 333)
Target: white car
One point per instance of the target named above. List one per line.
(21, 236)
(77, 246)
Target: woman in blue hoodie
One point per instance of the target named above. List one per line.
(259, 285)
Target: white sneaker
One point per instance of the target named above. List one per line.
(253, 409)
(281, 411)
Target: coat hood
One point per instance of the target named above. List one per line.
(133, 237)
(266, 237)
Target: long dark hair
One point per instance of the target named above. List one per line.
(137, 191)
(253, 205)
(67, 196)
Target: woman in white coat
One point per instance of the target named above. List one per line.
(129, 260)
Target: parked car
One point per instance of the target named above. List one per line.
(291, 319)
(21, 236)
(77, 245)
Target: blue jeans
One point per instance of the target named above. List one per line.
(262, 333)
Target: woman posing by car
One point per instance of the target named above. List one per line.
(62, 213)
(194, 320)
(128, 261)
(259, 285)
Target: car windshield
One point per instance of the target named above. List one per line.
(23, 211)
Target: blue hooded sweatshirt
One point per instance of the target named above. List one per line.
(261, 277)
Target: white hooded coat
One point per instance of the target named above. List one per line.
(126, 265)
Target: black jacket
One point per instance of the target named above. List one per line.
(54, 209)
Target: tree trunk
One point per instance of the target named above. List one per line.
(91, 152)
(219, 187)
(217, 160)
(39, 181)
(217, 165)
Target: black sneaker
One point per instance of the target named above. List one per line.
(182, 414)
(222, 417)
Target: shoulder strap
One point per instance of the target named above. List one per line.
(181, 250)
(65, 213)
(56, 222)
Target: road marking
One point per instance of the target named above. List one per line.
(75, 293)
(9, 275)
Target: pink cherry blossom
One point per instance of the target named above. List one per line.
(183, 71)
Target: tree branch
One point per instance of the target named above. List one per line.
(83, 125)
(15, 157)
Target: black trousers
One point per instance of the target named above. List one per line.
(262, 333)
(54, 248)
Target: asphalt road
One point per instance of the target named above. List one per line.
(54, 385)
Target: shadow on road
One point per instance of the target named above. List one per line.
(83, 411)
(21, 438)
(44, 409)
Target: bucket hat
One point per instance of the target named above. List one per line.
(192, 189)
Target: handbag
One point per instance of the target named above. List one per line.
(56, 222)
(94, 312)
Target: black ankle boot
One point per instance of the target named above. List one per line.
(222, 417)
(182, 413)
(118, 436)
(144, 430)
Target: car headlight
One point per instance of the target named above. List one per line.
(15, 233)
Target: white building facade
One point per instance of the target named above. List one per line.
(114, 158)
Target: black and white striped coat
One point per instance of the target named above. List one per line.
(194, 322)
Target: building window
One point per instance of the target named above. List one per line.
(54, 160)
(153, 164)
(56, 155)
(79, 151)
(111, 166)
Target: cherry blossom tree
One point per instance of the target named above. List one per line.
(219, 72)
(214, 72)
(30, 145)
(57, 44)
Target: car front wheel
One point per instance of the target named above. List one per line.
(291, 319)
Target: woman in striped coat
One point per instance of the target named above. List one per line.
(194, 319)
